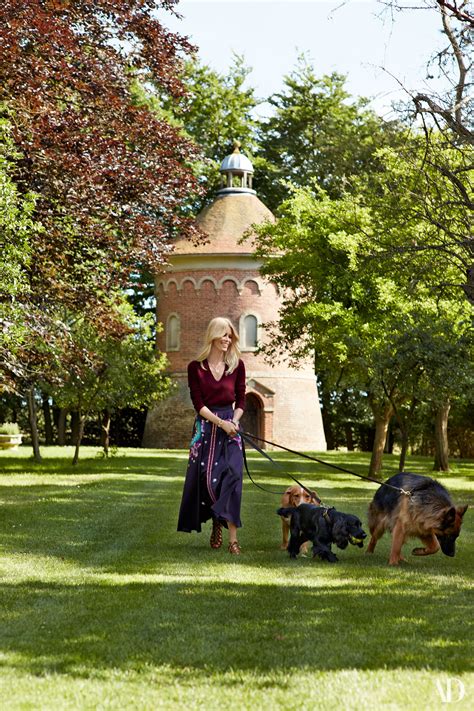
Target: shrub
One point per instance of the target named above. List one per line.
(10, 428)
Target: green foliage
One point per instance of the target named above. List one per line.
(10, 428)
(461, 425)
(215, 111)
(427, 190)
(317, 130)
(372, 330)
(112, 372)
(17, 232)
(16, 224)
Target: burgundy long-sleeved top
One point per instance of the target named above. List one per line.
(206, 391)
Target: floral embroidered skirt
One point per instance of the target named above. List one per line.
(213, 484)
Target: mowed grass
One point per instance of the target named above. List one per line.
(105, 606)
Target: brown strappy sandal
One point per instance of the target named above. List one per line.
(234, 548)
(216, 534)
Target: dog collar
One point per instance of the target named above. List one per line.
(326, 513)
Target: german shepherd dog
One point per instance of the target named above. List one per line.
(323, 527)
(428, 513)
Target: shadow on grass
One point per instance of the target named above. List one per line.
(124, 523)
(90, 628)
(85, 616)
(162, 462)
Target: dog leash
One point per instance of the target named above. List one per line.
(249, 437)
(245, 437)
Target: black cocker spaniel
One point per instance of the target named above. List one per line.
(322, 526)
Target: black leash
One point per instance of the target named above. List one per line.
(248, 436)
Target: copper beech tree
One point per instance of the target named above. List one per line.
(109, 175)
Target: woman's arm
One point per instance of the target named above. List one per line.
(238, 412)
(228, 427)
(239, 394)
(194, 386)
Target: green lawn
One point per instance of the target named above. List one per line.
(105, 606)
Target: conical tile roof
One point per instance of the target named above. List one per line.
(224, 221)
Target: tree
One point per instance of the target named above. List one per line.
(110, 372)
(344, 307)
(448, 156)
(434, 355)
(317, 130)
(109, 175)
(461, 430)
(453, 110)
(432, 219)
(17, 228)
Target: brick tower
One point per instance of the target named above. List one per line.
(221, 277)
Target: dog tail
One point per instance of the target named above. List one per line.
(286, 511)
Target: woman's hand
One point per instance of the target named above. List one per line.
(229, 428)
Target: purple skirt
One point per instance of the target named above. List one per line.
(213, 484)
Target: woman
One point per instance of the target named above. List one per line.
(213, 485)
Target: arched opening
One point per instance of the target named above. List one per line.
(248, 328)
(252, 419)
(173, 333)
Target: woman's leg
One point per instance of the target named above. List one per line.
(232, 532)
(234, 547)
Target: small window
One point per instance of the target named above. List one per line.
(250, 332)
(173, 333)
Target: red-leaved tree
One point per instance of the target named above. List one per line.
(109, 175)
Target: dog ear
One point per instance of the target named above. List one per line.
(339, 532)
(449, 517)
(461, 510)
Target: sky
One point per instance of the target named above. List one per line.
(380, 52)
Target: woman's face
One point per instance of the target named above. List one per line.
(223, 342)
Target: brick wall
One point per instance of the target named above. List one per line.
(200, 294)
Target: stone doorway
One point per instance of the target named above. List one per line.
(252, 419)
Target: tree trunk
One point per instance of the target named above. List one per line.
(405, 424)
(30, 396)
(382, 420)
(75, 425)
(48, 423)
(404, 451)
(349, 437)
(105, 431)
(80, 431)
(441, 462)
(328, 424)
(389, 440)
(62, 426)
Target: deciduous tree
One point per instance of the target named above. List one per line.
(448, 158)
(317, 131)
(110, 372)
(344, 307)
(109, 175)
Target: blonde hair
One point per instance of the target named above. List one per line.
(217, 328)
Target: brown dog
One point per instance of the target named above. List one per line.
(427, 513)
(294, 496)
